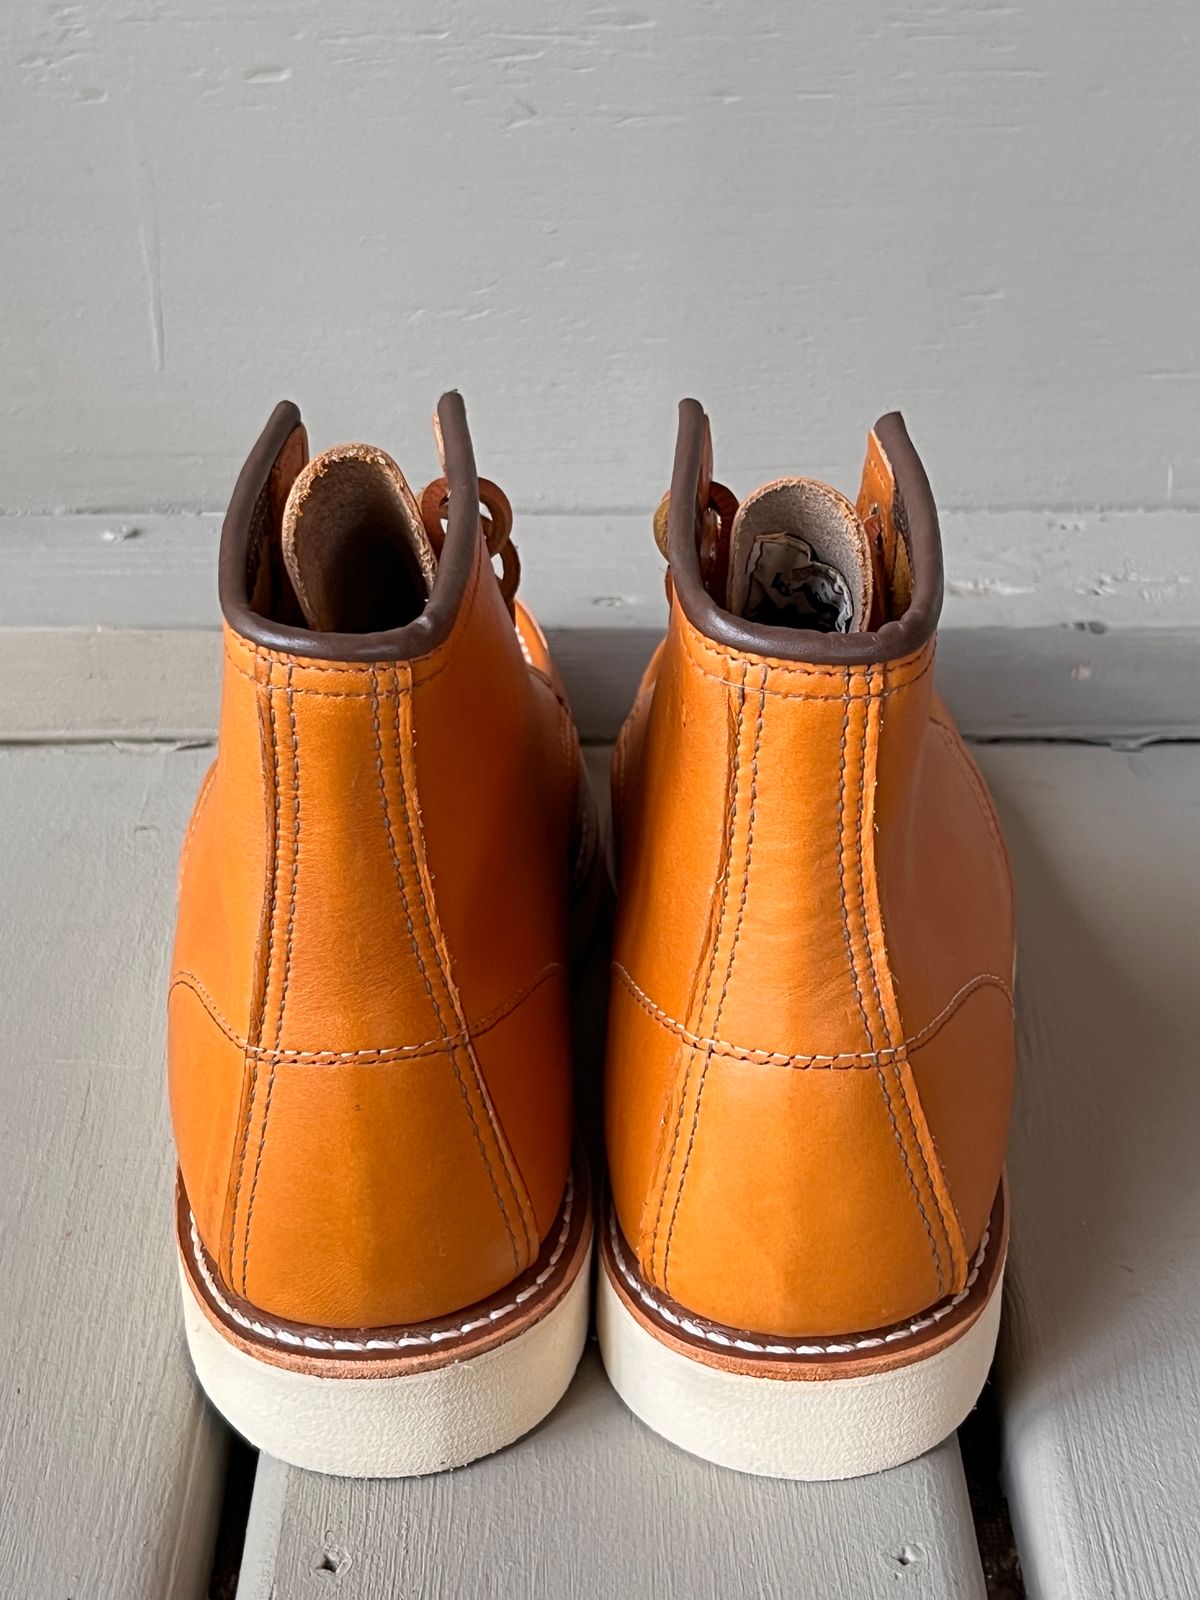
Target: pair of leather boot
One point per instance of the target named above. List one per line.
(384, 1218)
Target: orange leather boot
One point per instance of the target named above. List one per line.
(382, 1231)
(811, 1042)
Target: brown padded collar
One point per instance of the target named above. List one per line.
(460, 548)
(916, 517)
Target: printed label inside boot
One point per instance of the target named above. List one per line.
(790, 588)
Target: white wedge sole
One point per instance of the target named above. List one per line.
(400, 1426)
(398, 1402)
(797, 1424)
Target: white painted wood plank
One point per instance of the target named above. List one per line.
(1100, 1355)
(595, 1506)
(1018, 569)
(578, 211)
(1125, 686)
(111, 1464)
(1087, 627)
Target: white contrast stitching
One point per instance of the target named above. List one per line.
(279, 1335)
(843, 1347)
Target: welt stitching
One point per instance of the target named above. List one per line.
(712, 961)
(434, 1000)
(268, 739)
(382, 1054)
(843, 1061)
(733, 944)
(881, 1071)
(287, 964)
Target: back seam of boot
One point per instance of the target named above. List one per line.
(399, 808)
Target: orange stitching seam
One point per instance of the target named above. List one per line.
(881, 1071)
(412, 933)
(844, 1061)
(287, 968)
(268, 743)
(414, 821)
(878, 988)
(802, 671)
(383, 1054)
(844, 902)
(733, 944)
(731, 826)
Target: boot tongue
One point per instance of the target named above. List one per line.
(800, 558)
(354, 545)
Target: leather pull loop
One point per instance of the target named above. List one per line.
(495, 524)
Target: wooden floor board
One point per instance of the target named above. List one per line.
(111, 1464)
(593, 1506)
(1100, 1370)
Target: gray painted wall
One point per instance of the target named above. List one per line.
(983, 212)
